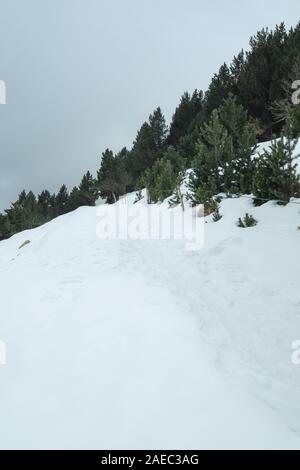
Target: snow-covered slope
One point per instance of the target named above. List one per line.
(143, 344)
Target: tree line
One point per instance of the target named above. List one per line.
(213, 133)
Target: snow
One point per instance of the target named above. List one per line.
(144, 344)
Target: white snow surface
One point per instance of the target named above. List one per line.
(145, 345)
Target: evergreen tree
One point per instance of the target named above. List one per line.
(74, 200)
(265, 68)
(106, 177)
(61, 200)
(5, 227)
(178, 164)
(123, 174)
(242, 132)
(159, 181)
(24, 213)
(223, 160)
(165, 178)
(275, 176)
(221, 85)
(213, 149)
(87, 190)
(294, 117)
(149, 144)
(189, 110)
(175, 157)
(187, 144)
(114, 177)
(45, 203)
(159, 129)
(236, 70)
(83, 195)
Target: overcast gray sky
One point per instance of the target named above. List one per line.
(82, 75)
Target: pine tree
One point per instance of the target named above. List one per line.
(160, 181)
(221, 85)
(123, 174)
(24, 213)
(114, 176)
(293, 118)
(74, 200)
(178, 164)
(223, 160)
(275, 176)
(87, 190)
(212, 150)
(158, 129)
(176, 159)
(149, 144)
(189, 110)
(106, 177)
(238, 171)
(61, 200)
(266, 66)
(45, 202)
(5, 227)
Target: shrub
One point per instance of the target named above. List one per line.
(210, 207)
(247, 221)
(216, 215)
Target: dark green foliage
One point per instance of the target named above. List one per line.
(275, 176)
(47, 204)
(74, 199)
(160, 181)
(223, 154)
(106, 177)
(265, 68)
(29, 212)
(149, 144)
(165, 177)
(294, 116)
(114, 178)
(61, 200)
(219, 89)
(242, 132)
(202, 192)
(187, 114)
(83, 195)
(247, 221)
(88, 190)
(176, 159)
(187, 145)
(256, 76)
(159, 129)
(24, 214)
(5, 227)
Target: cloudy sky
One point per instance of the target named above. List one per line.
(83, 75)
